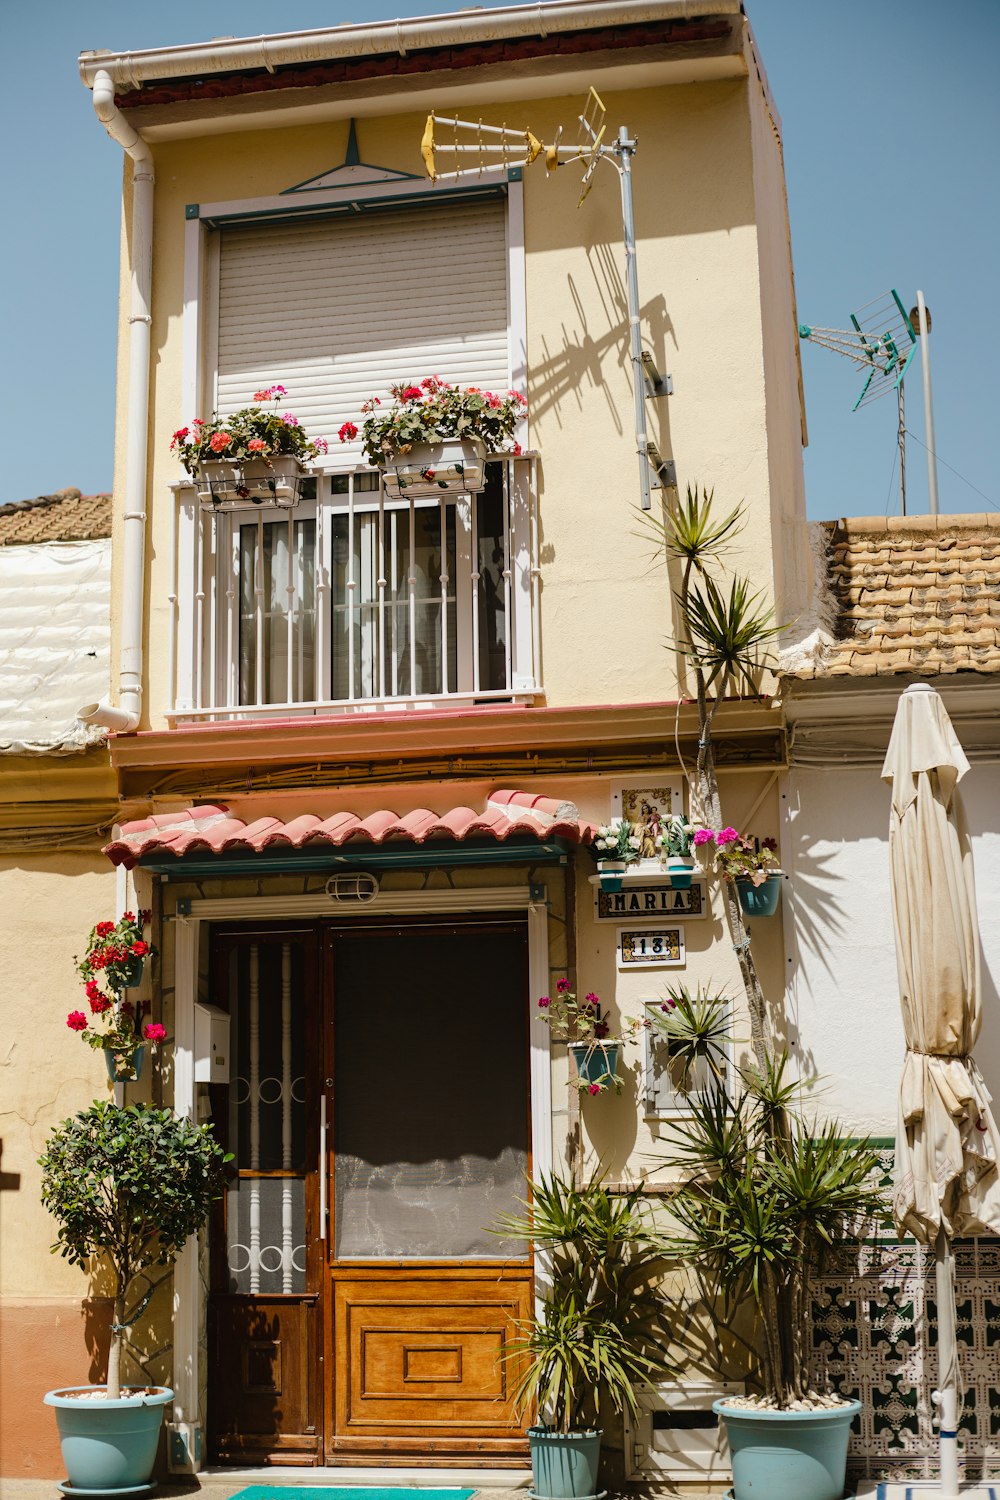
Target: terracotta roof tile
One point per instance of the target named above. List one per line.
(66, 516)
(212, 829)
(910, 594)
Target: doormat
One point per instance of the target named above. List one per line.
(346, 1492)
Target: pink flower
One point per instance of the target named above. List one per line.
(595, 1088)
(703, 836)
(219, 441)
(76, 1020)
(593, 999)
(410, 393)
(256, 445)
(728, 836)
(493, 401)
(289, 419)
(562, 985)
(669, 1005)
(155, 1033)
(348, 432)
(321, 445)
(262, 395)
(544, 1002)
(198, 422)
(517, 397)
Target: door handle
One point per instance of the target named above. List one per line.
(322, 1166)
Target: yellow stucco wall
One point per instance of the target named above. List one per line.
(710, 288)
(49, 902)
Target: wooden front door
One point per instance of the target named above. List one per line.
(379, 1117)
(427, 1038)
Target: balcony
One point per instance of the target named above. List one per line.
(354, 601)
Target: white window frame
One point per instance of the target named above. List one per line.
(194, 599)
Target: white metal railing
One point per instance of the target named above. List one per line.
(356, 600)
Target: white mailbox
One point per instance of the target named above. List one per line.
(211, 1044)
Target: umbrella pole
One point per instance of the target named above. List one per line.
(946, 1396)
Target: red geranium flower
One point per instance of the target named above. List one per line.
(219, 441)
(103, 928)
(76, 1020)
(139, 948)
(155, 1033)
(348, 432)
(411, 393)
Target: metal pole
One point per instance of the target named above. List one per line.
(946, 1397)
(925, 331)
(901, 437)
(624, 151)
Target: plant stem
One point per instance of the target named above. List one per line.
(115, 1350)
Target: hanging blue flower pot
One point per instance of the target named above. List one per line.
(595, 1060)
(122, 1068)
(680, 868)
(611, 872)
(759, 900)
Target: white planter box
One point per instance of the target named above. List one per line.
(450, 468)
(225, 485)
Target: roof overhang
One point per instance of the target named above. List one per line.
(513, 828)
(386, 67)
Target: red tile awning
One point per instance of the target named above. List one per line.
(214, 830)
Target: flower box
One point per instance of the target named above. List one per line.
(225, 486)
(451, 468)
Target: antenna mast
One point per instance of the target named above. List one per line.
(502, 147)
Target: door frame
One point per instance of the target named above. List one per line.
(189, 1297)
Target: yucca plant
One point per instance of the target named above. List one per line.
(766, 1193)
(602, 1330)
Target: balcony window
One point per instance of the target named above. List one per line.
(356, 601)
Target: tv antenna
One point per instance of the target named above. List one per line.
(881, 342)
(503, 147)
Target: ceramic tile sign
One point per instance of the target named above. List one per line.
(651, 948)
(650, 902)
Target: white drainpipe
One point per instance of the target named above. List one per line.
(125, 717)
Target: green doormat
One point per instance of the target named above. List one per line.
(346, 1492)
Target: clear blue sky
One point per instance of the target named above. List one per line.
(891, 114)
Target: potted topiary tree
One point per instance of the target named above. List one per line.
(764, 1194)
(129, 1186)
(602, 1330)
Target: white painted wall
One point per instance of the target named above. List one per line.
(843, 999)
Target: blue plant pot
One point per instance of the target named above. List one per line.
(788, 1455)
(595, 1060)
(133, 1074)
(759, 900)
(611, 872)
(108, 1446)
(564, 1464)
(681, 872)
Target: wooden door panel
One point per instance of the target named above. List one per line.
(265, 1403)
(423, 1356)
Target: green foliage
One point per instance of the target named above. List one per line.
(691, 534)
(603, 1329)
(132, 1184)
(728, 635)
(696, 1030)
(766, 1193)
(433, 411)
(251, 433)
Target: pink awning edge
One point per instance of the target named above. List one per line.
(214, 829)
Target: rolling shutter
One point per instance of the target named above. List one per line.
(335, 310)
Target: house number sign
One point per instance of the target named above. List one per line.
(651, 901)
(652, 947)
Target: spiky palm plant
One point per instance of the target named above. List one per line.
(602, 1328)
(766, 1193)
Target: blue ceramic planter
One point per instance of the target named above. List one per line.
(595, 1060)
(788, 1455)
(611, 872)
(564, 1464)
(126, 1075)
(759, 900)
(681, 872)
(109, 1446)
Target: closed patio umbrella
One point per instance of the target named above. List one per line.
(946, 1181)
